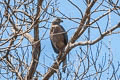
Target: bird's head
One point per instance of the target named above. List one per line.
(57, 21)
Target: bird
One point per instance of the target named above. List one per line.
(59, 39)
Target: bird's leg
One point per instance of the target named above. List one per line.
(59, 55)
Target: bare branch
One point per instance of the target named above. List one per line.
(76, 35)
(97, 39)
(36, 45)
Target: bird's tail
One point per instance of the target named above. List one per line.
(64, 66)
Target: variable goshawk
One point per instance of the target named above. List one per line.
(59, 38)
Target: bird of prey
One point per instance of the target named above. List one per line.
(59, 38)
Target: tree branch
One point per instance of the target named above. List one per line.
(97, 39)
(36, 47)
(76, 35)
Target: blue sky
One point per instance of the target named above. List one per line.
(112, 41)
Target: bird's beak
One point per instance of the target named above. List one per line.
(61, 21)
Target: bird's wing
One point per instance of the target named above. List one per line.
(51, 39)
(65, 35)
(58, 37)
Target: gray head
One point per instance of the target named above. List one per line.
(57, 21)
